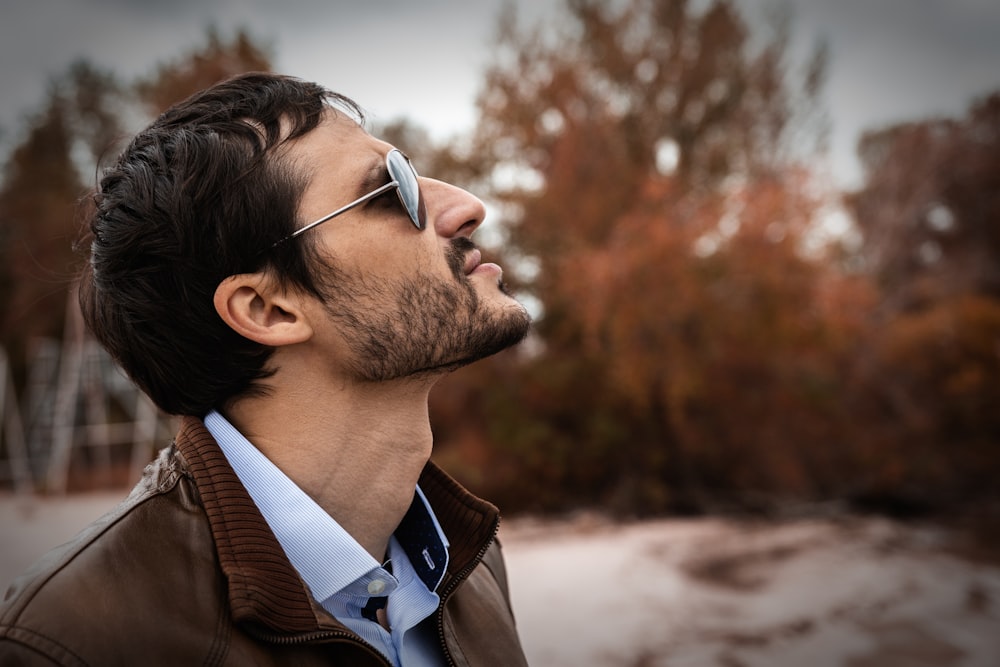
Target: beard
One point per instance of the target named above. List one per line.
(424, 326)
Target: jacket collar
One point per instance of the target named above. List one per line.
(264, 588)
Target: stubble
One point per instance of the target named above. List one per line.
(424, 326)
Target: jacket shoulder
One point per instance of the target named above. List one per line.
(72, 605)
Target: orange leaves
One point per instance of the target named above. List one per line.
(674, 224)
(200, 68)
(668, 232)
(953, 348)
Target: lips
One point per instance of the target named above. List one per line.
(473, 260)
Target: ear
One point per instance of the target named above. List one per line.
(256, 309)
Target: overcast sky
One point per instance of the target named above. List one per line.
(892, 60)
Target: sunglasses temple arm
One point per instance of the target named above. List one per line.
(345, 209)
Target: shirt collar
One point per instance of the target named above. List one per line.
(424, 542)
(325, 555)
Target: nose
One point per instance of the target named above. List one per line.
(450, 209)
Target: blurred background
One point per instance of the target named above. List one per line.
(760, 240)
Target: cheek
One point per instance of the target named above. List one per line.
(381, 251)
(418, 254)
(390, 268)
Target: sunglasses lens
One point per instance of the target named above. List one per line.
(409, 189)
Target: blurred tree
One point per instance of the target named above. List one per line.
(202, 67)
(40, 189)
(928, 212)
(37, 199)
(95, 100)
(929, 206)
(81, 123)
(644, 160)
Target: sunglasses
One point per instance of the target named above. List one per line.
(403, 177)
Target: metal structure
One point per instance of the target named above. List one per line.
(14, 465)
(76, 398)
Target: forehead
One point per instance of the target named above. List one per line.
(335, 158)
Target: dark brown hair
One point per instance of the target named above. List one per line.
(199, 195)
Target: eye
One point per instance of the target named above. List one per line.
(388, 200)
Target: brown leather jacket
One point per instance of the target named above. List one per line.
(186, 572)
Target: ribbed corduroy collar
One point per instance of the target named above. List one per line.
(264, 588)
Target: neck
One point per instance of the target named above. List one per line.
(357, 450)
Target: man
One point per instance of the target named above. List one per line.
(264, 267)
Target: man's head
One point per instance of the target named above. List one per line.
(190, 242)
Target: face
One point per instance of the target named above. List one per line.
(401, 302)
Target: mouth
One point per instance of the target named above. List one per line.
(466, 261)
(472, 261)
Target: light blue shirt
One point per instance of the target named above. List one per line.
(341, 575)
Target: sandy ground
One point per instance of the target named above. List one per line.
(847, 592)
(589, 592)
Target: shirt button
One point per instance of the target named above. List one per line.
(376, 587)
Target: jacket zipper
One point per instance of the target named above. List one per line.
(454, 583)
(321, 635)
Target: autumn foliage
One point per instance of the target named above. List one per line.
(696, 348)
